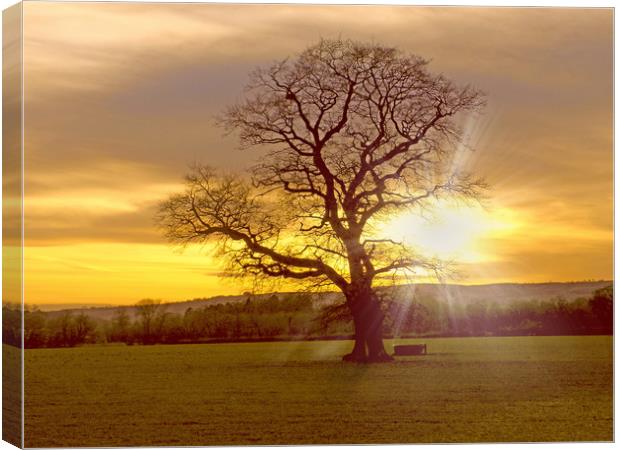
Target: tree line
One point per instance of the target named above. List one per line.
(582, 316)
(297, 316)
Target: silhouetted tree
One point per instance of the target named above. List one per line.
(34, 328)
(120, 328)
(151, 316)
(601, 305)
(354, 134)
(83, 329)
(12, 324)
(60, 334)
(69, 330)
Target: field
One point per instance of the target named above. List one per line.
(465, 390)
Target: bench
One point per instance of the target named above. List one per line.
(410, 350)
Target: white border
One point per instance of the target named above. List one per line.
(573, 4)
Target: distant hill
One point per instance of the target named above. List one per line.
(506, 292)
(460, 294)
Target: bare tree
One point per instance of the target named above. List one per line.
(120, 326)
(151, 315)
(351, 135)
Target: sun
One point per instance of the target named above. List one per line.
(446, 231)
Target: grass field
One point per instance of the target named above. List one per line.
(465, 390)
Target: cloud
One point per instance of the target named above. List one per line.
(120, 99)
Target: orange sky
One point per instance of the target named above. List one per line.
(120, 99)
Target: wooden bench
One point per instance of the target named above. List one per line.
(410, 350)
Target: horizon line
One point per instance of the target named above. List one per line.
(81, 305)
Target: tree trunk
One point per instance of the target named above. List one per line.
(368, 323)
(358, 354)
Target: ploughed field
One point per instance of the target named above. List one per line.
(464, 390)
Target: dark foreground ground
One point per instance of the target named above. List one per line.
(465, 390)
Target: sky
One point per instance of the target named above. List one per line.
(120, 99)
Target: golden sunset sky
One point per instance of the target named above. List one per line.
(120, 99)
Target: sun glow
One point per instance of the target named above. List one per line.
(450, 232)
